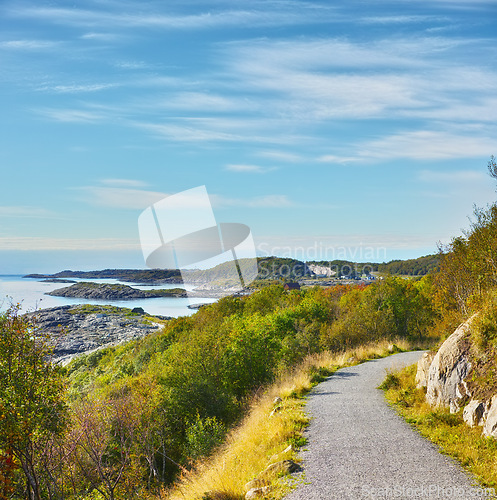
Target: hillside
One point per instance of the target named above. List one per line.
(412, 267)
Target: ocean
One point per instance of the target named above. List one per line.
(30, 294)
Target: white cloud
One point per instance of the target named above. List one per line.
(399, 19)
(270, 14)
(77, 88)
(427, 145)
(337, 159)
(119, 197)
(71, 115)
(457, 176)
(129, 183)
(199, 101)
(99, 36)
(28, 44)
(267, 201)
(26, 243)
(131, 64)
(328, 79)
(255, 169)
(464, 185)
(26, 212)
(204, 130)
(283, 156)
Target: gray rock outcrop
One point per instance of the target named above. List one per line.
(447, 373)
(490, 419)
(107, 291)
(423, 369)
(474, 412)
(78, 329)
(257, 492)
(444, 376)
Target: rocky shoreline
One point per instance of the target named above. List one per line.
(80, 329)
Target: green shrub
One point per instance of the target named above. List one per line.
(202, 436)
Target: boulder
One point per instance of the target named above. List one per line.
(490, 425)
(423, 369)
(256, 483)
(474, 412)
(281, 468)
(259, 485)
(257, 493)
(448, 370)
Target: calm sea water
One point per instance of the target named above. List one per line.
(30, 293)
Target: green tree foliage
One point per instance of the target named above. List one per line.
(394, 307)
(412, 267)
(32, 407)
(468, 268)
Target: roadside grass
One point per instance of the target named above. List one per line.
(467, 445)
(262, 437)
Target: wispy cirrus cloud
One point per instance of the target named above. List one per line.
(39, 244)
(250, 169)
(118, 197)
(337, 159)
(71, 115)
(29, 212)
(463, 185)
(127, 194)
(28, 44)
(281, 156)
(401, 19)
(454, 176)
(129, 183)
(428, 145)
(136, 16)
(76, 88)
(265, 201)
(106, 37)
(331, 79)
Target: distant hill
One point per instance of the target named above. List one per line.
(412, 267)
(129, 275)
(274, 268)
(269, 268)
(409, 267)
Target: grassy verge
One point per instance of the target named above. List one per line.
(262, 437)
(475, 453)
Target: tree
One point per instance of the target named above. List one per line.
(492, 167)
(32, 407)
(103, 442)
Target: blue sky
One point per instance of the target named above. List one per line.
(348, 128)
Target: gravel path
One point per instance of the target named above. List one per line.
(360, 448)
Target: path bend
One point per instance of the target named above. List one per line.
(359, 448)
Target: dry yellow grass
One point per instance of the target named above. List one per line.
(260, 438)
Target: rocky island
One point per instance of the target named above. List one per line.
(106, 291)
(148, 276)
(82, 328)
